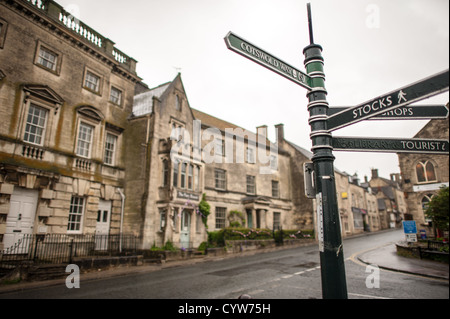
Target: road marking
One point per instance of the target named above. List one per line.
(287, 277)
(299, 273)
(368, 296)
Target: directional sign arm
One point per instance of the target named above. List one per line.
(391, 145)
(252, 52)
(407, 95)
(410, 112)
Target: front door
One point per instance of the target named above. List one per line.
(20, 220)
(185, 229)
(103, 225)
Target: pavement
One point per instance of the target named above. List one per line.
(386, 258)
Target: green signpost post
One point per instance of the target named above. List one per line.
(323, 120)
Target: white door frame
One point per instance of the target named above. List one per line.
(21, 217)
(103, 224)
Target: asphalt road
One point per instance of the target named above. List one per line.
(285, 274)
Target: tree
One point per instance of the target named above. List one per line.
(438, 208)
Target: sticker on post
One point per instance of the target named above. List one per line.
(320, 222)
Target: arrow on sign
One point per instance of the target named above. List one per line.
(411, 112)
(391, 145)
(252, 52)
(418, 91)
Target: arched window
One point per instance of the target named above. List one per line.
(425, 202)
(425, 172)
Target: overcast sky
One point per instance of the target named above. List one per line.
(370, 48)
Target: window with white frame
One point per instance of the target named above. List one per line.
(183, 175)
(92, 82)
(425, 172)
(76, 214)
(110, 149)
(251, 185)
(162, 219)
(47, 58)
(220, 217)
(276, 220)
(220, 179)
(35, 125)
(115, 96)
(85, 134)
(176, 169)
(275, 189)
(165, 173)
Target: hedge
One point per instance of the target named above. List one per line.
(218, 238)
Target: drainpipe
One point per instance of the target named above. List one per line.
(121, 217)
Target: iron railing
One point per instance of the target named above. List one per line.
(58, 249)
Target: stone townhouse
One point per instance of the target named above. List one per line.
(176, 154)
(65, 95)
(163, 186)
(390, 198)
(357, 205)
(424, 174)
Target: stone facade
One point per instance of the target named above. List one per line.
(176, 154)
(391, 199)
(424, 174)
(65, 95)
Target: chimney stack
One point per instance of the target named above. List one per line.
(374, 173)
(262, 130)
(280, 132)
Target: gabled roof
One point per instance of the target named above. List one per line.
(301, 150)
(214, 122)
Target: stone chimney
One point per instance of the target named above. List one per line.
(374, 173)
(280, 132)
(262, 130)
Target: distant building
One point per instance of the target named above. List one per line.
(391, 199)
(424, 174)
(357, 203)
(65, 95)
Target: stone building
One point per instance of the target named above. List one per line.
(163, 186)
(65, 95)
(424, 174)
(390, 198)
(177, 153)
(358, 206)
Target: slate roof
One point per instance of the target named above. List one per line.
(143, 103)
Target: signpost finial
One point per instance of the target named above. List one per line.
(311, 34)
